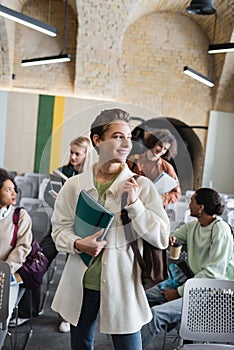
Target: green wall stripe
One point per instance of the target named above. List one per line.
(44, 130)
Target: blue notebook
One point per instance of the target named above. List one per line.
(91, 217)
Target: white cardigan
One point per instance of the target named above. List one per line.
(124, 307)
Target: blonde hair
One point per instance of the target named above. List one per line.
(82, 141)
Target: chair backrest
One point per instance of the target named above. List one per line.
(207, 311)
(19, 196)
(26, 187)
(230, 218)
(13, 173)
(40, 224)
(31, 203)
(188, 195)
(180, 209)
(34, 180)
(4, 292)
(42, 188)
(187, 216)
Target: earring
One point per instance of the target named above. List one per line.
(199, 213)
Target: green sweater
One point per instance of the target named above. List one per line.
(210, 249)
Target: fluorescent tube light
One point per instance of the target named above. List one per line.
(195, 75)
(27, 21)
(46, 60)
(221, 48)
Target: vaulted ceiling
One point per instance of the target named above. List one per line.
(107, 21)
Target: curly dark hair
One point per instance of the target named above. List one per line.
(161, 136)
(5, 176)
(211, 201)
(100, 124)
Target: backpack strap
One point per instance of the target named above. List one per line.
(128, 231)
(16, 217)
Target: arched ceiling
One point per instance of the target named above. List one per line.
(218, 28)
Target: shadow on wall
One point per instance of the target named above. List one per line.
(189, 160)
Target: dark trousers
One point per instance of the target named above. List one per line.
(82, 336)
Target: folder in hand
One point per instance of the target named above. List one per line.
(91, 217)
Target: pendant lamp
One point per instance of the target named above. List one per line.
(62, 57)
(201, 7)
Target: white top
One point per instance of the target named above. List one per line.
(15, 257)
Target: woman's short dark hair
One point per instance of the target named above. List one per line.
(211, 201)
(5, 176)
(102, 121)
(162, 136)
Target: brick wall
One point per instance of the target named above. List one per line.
(122, 50)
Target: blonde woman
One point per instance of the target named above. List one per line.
(79, 149)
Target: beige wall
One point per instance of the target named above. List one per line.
(21, 131)
(219, 164)
(79, 113)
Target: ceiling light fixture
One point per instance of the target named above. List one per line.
(198, 76)
(201, 7)
(61, 58)
(221, 48)
(27, 21)
(46, 60)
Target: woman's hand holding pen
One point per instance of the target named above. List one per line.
(90, 245)
(131, 187)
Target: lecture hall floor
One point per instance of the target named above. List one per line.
(45, 334)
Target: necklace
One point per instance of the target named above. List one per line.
(107, 176)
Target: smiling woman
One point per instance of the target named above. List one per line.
(160, 144)
(113, 275)
(114, 147)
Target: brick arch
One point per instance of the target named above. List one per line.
(194, 147)
(151, 65)
(29, 43)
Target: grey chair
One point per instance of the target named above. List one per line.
(35, 185)
(40, 223)
(207, 315)
(35, 179)
(19, 196)
(25, 186)
(4, 293)
(13, 173)
(31, 203)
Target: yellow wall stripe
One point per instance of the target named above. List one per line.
(57, 133)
